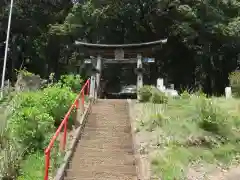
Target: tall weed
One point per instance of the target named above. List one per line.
(215, 120)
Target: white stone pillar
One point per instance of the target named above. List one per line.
(160, 84)
(228, 92)
(139, 76)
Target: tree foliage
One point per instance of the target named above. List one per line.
(202, 48)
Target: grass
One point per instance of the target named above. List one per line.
(190, 131)
(34, 165)
(5, 110)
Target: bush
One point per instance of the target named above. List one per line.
(26, 99)
(30, 127)
(234, 79)
(152, 94)
(158, 97)
(72, 81)
(31, 120)
(145, 93)
(35, 114)
(57, 101)
(185, 95)
(24, 72)
(53, 100)
(200, 94)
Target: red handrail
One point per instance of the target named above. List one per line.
(64, 124)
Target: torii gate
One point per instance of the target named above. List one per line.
(118, 53)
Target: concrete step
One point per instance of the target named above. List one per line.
(104, 151)
(102, 160)
(105, 154)
(106, 124)
(109, 147)
(114, 129)
(99, 168)
(93, 160)
(92, 136)
(101, 142)
(101, 175)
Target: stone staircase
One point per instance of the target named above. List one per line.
(105, 151)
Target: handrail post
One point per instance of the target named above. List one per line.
(83, 99)
(95, 90)
(78, 111)
(64, 140)
(47, 163)
(77, 104)
(88, 87)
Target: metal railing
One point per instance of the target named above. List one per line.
(64, 124)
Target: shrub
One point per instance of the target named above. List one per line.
(145, 93)
(53, 100)
(30, 127)
(234, 79)
(200, 94)
(185, 95)
(150, 93)
(72, 81)
(27, 99)
(24, 72)
(158, 97)
(31, 124)
(35, 114)
(57, 102)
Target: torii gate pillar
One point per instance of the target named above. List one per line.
(95, 78)
(99, 68)
(96, 49)
(92, 86)
(140, 75)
